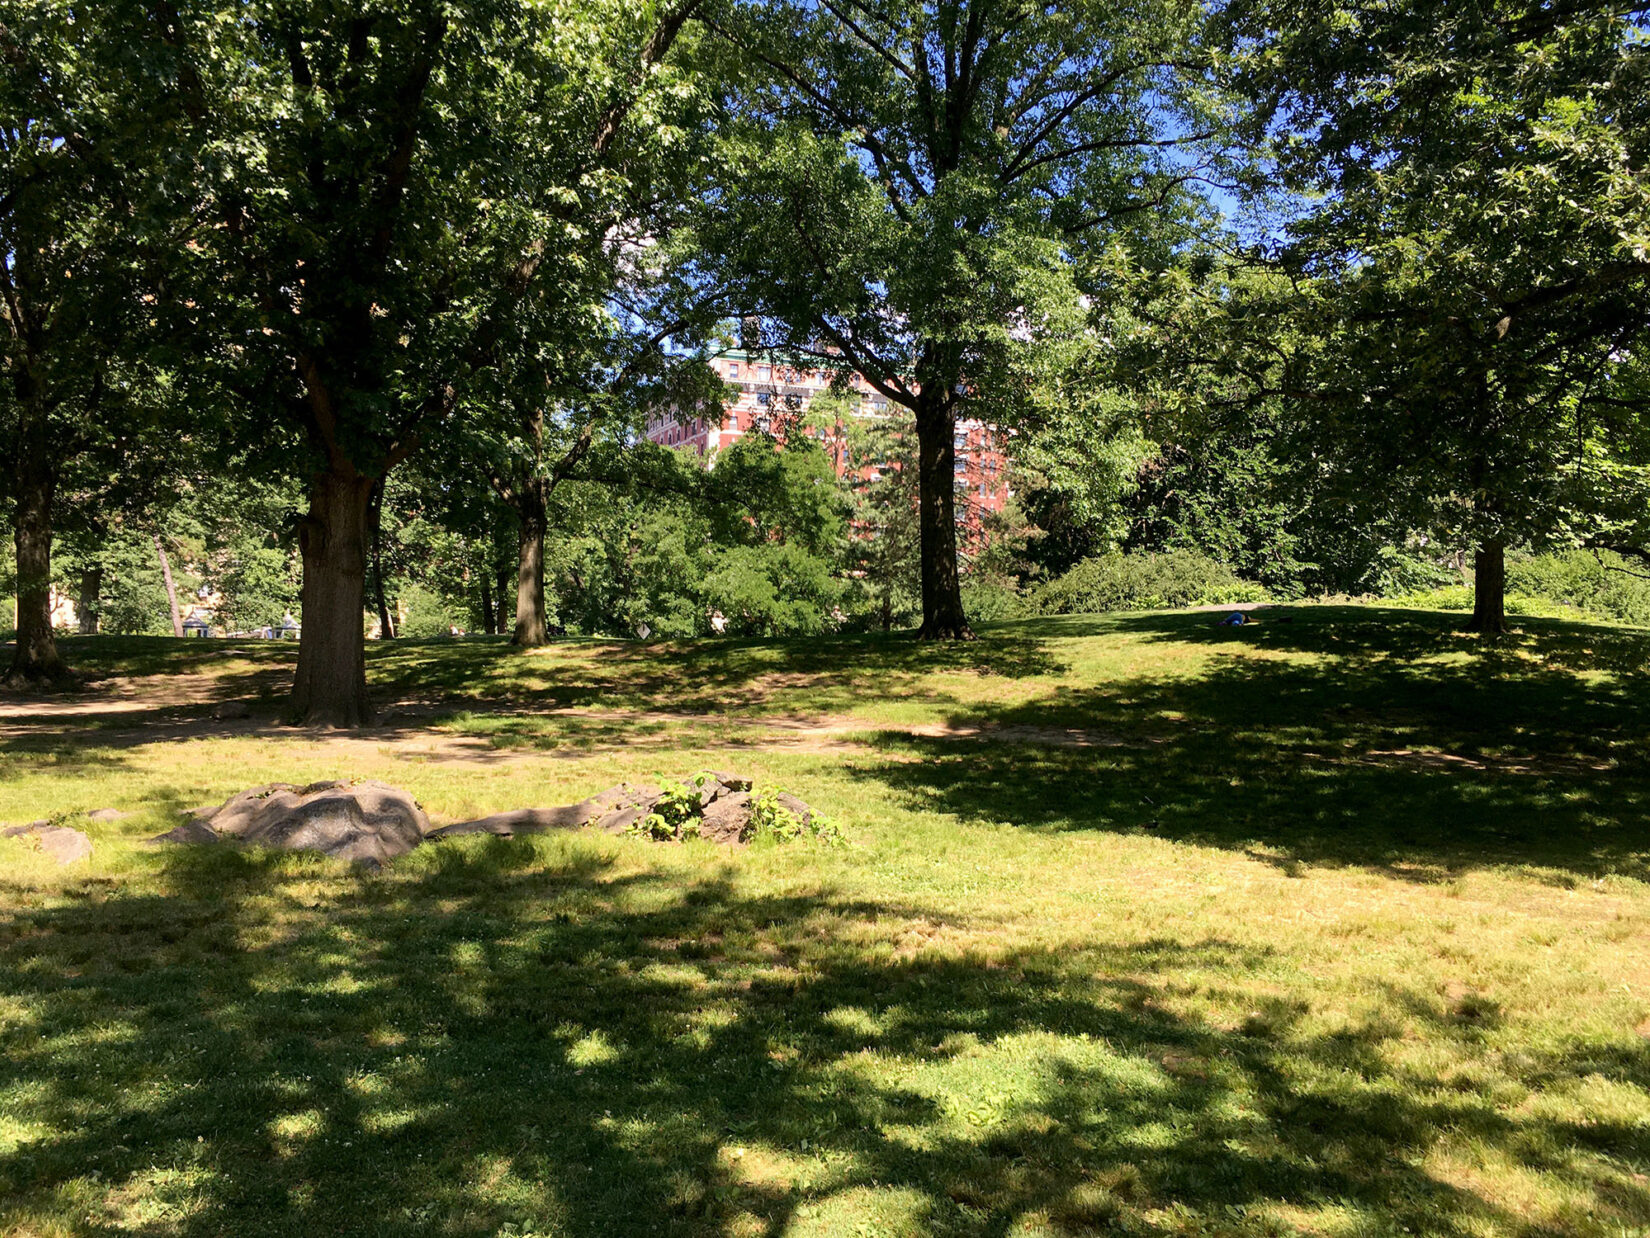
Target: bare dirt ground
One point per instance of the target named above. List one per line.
(134, 711)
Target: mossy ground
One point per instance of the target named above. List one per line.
(1338, 926)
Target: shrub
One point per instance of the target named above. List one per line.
(426, 613)
(1603, 584)
(1143, 582)
(991, 599)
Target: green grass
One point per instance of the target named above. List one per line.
(1337, 927)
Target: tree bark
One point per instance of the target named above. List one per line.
(942, 609)
(1489, 588)
(386, 622)
(331, 684)
(532, 627)
(488, 617)
(171, 589)
(35, 660)
(91, 599)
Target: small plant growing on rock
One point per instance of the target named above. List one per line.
(676, 812)
(776, 820)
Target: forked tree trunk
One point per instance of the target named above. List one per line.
(532, 626)
(35, 660)
(1489, 588)
(942, 609)
(91, 599)
(331, 683)
(171, 589)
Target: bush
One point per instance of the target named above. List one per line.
(1144, 582)
(427, 613)
(775, 589)
(989, 600)
(1603, 584)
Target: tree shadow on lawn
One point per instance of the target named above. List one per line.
(502, 1039)
(1380, 752)
(709, 676)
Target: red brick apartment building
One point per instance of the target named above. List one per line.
(772, 394)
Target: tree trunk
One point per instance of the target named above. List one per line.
(375, 517)
(942, 610)
(91, 599)
(1489, 588)
(532, 628)
(171, 589)
(503, 591)
(487, 614)
(35, 660)
(331, 683)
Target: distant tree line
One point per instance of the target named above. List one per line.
(339, 306)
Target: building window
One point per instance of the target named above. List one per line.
(733, 369)
(763, 398)
(764, 372)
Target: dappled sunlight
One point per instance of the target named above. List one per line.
(1147, 926)
(510, 1035)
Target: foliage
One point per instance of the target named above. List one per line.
(772, 821)
(991, 599)
(677, 811)
(920, 192)
(134, 595)
(1165, 581)
(1465, 249)
(427, 613)
(774, 589)
(1600, 584)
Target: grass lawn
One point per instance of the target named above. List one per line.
(1339, 926)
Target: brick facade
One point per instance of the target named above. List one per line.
(771, 396)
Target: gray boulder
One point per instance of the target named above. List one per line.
(724, 812)
(58, 841)
(727, 819)
(602, 809)
(366, 823)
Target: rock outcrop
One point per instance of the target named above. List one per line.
(58, 841)
(366, 823)
(370, 823)
(722, 814)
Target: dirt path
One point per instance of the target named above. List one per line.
(131, 713)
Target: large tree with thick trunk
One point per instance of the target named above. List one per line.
(401, 188)
(917, 180)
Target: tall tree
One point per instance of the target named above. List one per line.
(915, 178)
(400, 186)
(1474, 266)
(83, 141)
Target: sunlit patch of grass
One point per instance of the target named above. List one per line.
(1347, 934)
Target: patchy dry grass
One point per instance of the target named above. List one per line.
(1337, 927)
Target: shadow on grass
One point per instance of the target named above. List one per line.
(817, 675)
(512, 1039)
(1405, 745)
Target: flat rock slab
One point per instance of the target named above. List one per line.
(723, 816)
(107, 814)
(366, 823)
(612, 810)
(58, 841)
